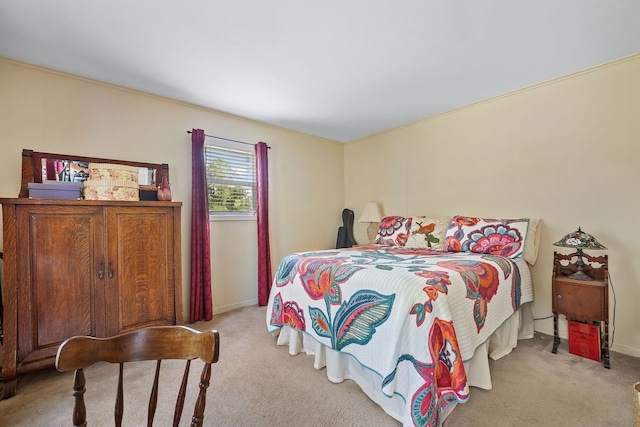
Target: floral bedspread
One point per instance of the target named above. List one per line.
(410, 315)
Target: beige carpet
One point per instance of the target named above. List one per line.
(258, 383)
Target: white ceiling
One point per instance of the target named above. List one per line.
(340, 69)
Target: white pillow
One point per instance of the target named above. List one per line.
(533, 241)
(427, 233)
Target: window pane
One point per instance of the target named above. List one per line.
(231, 181)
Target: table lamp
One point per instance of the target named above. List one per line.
(579, 240)
(371, 214)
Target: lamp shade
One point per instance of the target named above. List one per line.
(579, 240)
(370, 213)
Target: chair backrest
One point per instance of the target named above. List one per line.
(152, 343)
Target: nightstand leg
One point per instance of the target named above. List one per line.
(605, 346)
(556, 337)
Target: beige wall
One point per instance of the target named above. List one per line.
(567, 151)
(54, 112)
(576, 142)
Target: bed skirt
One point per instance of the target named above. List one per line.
(341, 366)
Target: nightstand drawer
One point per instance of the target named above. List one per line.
(580, 300)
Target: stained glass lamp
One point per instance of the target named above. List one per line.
(579, 240)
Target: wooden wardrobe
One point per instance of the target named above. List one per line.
(84, 267)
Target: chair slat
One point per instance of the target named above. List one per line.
(177, 414)
(119, 409)
(153, 399)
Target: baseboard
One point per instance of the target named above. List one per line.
(234, 306)
(630, 351)
(547, 331)
(625, 350)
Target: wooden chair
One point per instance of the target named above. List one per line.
(152, 343)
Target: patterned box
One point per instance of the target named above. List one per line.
(113, 172)
(111, 190)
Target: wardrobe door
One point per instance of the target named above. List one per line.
(141, 278)
(60, 293)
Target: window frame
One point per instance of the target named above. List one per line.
(237, 146)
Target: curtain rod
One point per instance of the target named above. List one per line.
(227, 139)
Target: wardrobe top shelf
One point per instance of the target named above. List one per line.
(68, 202)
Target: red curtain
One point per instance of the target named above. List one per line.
(264, 252)
(201, 300)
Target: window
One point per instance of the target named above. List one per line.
(231, 178)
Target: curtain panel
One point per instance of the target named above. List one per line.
(201, 300)
(264, 251)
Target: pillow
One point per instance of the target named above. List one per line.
(393, 231)
(427, 233)
(504, 237)
(533, 241)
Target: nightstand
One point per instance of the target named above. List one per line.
(582, 300)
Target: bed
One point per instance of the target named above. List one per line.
(414, 318)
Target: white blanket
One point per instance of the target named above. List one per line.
(412, 317)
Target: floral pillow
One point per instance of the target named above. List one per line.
(505, 237)
(393, 231)
(427, 233)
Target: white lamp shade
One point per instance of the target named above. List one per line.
(370, 213)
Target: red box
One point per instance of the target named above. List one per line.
(584, 340)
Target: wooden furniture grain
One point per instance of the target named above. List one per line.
(153, 343)
(1, 309)
(582, 300)
(80, 267)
